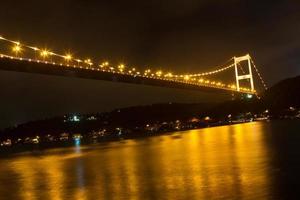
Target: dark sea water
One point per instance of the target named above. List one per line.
(259, 160)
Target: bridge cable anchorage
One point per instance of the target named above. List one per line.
(259, 75)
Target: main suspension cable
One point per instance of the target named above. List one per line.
(259, 75)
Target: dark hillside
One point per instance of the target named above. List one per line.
(284, 94)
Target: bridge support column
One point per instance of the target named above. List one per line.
(249, 76)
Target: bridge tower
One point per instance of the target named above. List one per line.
(238, 77)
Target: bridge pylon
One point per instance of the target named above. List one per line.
(249, 76)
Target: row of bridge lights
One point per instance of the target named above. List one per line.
(44, 53)
(159, 74)
(17, 49)
(105, 66)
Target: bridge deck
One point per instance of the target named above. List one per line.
(28, 66)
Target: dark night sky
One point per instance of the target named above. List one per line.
(176, 35)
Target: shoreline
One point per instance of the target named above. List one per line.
(8, 151)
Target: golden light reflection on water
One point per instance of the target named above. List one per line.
(220, 162)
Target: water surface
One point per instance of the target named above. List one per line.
(259, 160)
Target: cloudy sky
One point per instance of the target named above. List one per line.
(178, 36)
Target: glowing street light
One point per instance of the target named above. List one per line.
(186, 77)
(147, 71)
(159, 73)
(121, 67)
(78, 61)
(17, 49)
(35, 49)
(89, 62)
(68, 57)
(111, 69)
(169, 75)
(45, 53)
(104, 64)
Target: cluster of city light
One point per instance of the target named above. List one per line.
(88, 61)
(105, 66)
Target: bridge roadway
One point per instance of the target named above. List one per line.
(16, 65)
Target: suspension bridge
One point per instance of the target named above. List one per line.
(16, 56)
